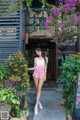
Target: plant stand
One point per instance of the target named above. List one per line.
(4, 107)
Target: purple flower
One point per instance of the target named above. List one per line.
(49, 18)
(69, 8)
(46, 24)
(72, 10)
(73, 17)
(59, 10)
(71, 2)
(77, 21)
(56, 12)
(61, 25)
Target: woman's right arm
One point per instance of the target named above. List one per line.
(34, 65)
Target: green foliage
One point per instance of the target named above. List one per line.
(68, 76)
(28, 3)
(17, 67)
(2, 71)
(9, 96)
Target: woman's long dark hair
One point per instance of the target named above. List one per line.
(39, 49)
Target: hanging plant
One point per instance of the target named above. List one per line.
(9, 6)
(28, 3)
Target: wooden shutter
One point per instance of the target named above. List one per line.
(10, 34)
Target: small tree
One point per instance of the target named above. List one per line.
(68, 76)
(64, 21)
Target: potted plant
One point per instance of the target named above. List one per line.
(8, 99)
(17, 77)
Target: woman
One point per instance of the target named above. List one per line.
(39, 75)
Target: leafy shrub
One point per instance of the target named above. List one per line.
(30, 59)
(2, 72)
(17, 67)
(9, 96)
(68, 76)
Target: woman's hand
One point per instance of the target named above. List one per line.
(31, 68)
(45, 78)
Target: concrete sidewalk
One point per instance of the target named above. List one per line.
(52, 108)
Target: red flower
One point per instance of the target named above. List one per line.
(22, 55)
(22, 36)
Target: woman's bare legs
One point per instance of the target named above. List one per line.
(36, 84)
(38, 87)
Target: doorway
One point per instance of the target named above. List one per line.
(49, 49)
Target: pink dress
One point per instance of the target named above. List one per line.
(39, 70)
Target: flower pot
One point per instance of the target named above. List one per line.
(5, 107)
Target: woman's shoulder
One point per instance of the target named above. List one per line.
(35, 58)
